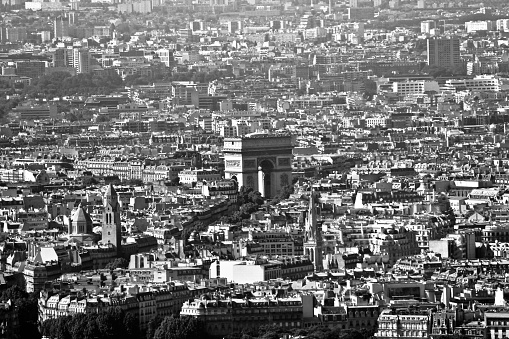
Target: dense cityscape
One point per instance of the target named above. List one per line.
(248, 169)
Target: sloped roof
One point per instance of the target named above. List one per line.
(80, 215)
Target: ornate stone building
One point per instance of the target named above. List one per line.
(262, 162)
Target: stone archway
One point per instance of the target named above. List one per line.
(265, 159)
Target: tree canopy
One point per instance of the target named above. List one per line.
(114, 323)
(60, 84)
(180, 328)
(117, 263)
(192, 75)
(25, 305)
(315, 332)
(249, 201)
(6, 105)
(286, 191)
(133, 182)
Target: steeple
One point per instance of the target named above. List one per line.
(311, 220)
(111, 196)
(111, 226)
(313, 235)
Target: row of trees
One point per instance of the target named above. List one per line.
(117, 263)
(25, 306)
(192, 75)
(114, 323)
(286, 191)
(315, 332)
(175, 327)
(60, 84)
(249, 201)
(439, 71)
(6, 105)
(189, 328)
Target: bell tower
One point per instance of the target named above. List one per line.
(111, 233)
(313, 246)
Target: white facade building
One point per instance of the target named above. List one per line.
(474, 26)
(479, 83)
(414, 87)
(502, 25)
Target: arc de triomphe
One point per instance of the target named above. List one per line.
(261, 161)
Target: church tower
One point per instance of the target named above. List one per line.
(313, 247)
(112, 228)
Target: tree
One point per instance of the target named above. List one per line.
(48, 328)
(14, 293)
(6, 105)
(244, 194)
(133, 182)
(5, 84)
(134, 80)
(27, 310)
(130, 323)
(102, 118)
(89, 181)
(271, 332)
(111, 323)
(440, 71)
(114, 323)
(117, 263)
(63, 83)
(153, 324)
(91, 328)
(339, 100)
(76, 327)
(180, 328)
(248, 208)
(62, 327)
(285, 193)
(370, 88)
(236, 217)
(123, 28)
(255, 197)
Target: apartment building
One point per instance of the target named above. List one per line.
(229, 315)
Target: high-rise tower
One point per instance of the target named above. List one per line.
(81, 60)
(444, 52)
(313, 247)
(112, 229)
(60, 28)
